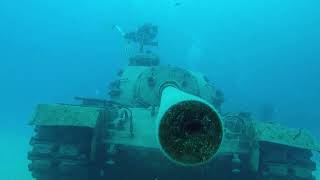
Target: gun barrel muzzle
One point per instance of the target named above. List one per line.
(189, 129)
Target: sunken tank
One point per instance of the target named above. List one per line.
(163, 123)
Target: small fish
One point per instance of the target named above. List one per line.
(177, 4)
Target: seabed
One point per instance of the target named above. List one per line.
(14, 147)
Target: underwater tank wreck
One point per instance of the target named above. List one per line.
(163, 122)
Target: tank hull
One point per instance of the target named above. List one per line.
(115, 141)
(118, 139)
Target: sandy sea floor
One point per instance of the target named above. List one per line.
(14, 148)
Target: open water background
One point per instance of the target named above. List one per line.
(257, 51)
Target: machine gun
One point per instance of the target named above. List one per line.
(144, 36)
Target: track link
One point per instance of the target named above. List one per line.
(279, 162)
(60, 153)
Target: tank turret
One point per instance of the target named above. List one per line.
(140, 83)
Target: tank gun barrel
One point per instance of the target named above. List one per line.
(189, 130)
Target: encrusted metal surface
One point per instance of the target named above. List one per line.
(65, 115)
(275, 133)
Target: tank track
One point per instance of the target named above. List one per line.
(61, 153)
(279, 162)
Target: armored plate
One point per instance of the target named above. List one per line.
(275, 133)
(65, 115)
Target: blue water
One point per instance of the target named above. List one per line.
(257, 52)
